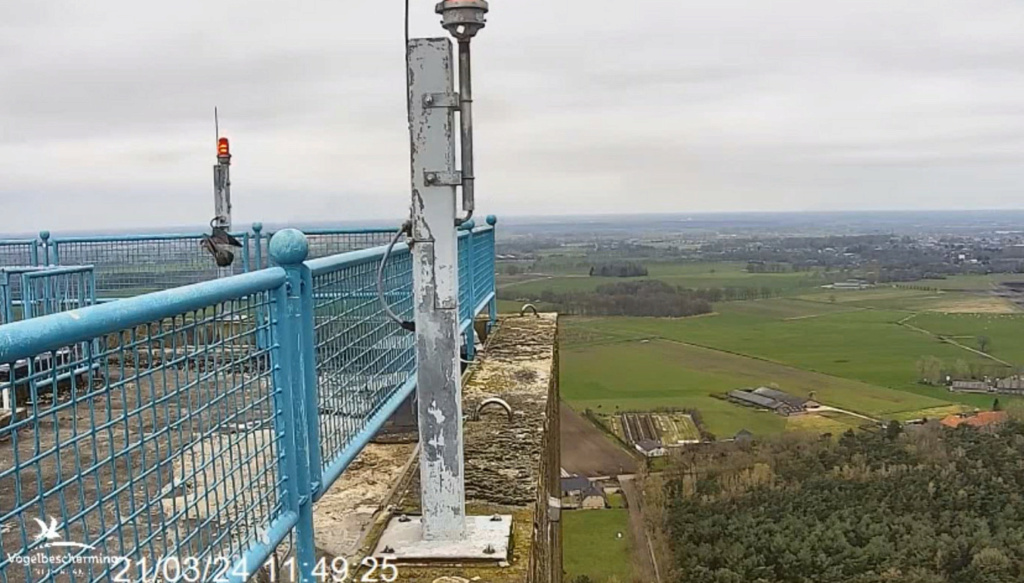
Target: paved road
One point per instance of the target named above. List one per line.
(643, 553)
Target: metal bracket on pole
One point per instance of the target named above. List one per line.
(443, 178)
(443, 100)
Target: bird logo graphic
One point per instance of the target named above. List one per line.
(48, 533)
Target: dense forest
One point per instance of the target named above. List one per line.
(932, 505)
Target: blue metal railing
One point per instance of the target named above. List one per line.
(130, 265)
(322, 242)
(11, 300)
(365, 364)
(200, 422)
(49, 291)
(19, 252)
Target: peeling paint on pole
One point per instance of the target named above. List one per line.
(435, 278)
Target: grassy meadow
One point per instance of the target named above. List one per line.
(855, 349)
(592, 545)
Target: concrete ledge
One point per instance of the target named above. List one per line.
(512, 465)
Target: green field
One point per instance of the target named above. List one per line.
(643, 375)
(858, 354)
(865, 345)
(1005, 331)
(592, 547)
(913, 300)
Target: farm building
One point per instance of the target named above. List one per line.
(1013, 384)
(743, 436)
(579, 492)
(970, 386)
(750, 398)
(651, 448)
(791, 400)
(849, 284)
(982, 419)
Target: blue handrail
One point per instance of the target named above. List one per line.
(207, 418)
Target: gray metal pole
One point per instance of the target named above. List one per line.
(435, 281)
(222, 185)
(466, 128)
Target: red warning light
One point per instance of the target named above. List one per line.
(222, 147)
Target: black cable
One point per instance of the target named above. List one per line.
(407, 325)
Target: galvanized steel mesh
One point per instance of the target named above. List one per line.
(133, 266)
(50, 291)
(362, 356)
(151, 441)
(324, 243)
(145, 430)
(19, 252)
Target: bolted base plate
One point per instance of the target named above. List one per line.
(487, 540)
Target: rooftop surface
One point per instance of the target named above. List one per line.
(507, 459)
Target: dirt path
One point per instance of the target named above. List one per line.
(540, 277)
(843, 411)
(643, 552)
(587, 451)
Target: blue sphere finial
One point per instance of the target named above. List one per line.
(289, 247)
(467, 226)
(491, 220)
(44, 235)
(257, 226)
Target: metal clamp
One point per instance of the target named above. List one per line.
(442, 178)
(445, 100)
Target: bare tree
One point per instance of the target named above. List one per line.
(984, 344)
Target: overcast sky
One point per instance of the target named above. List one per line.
(591, 106)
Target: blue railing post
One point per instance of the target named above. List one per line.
(257, 235)
(492, 306)
(470, 266)
(44, 241)
(261, 332)
(245, 253)
(8, 299)
(291, 319)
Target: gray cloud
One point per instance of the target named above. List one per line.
(597, 106)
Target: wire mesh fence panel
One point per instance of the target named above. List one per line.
(144, 441)
(325, 242)
(11, 297)
(19, 252)
(483, 265)
(130, 266)
(363, 359)
(465, 277)
(50, 291)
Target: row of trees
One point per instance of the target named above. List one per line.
(931, 506)
(607, 299)
(618, 269)
(769, 267)
(932, 370)
(630, 298)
